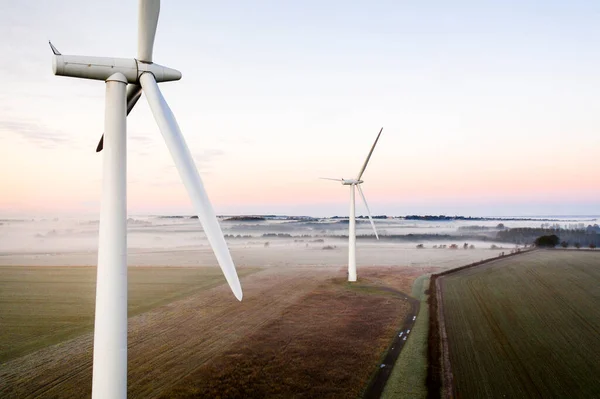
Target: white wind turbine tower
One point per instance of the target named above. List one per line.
(125, 79)
(352, 218)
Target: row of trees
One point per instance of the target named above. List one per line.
(528, 235)
(452, 246)
(577, 245)
(552, 240)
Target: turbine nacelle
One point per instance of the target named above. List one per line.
(351, 182)
(101, 68)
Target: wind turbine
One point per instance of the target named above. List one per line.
(352, 218)
(125, 80)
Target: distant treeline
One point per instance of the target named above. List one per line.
(422, 237)
(444, 218)
(392, 237)
(178, 217)
(268, 235)
(500, 226)
(277, 235)
(439, 218)
(528, 235)
(244, 218)
(361, 217)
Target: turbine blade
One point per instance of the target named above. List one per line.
(134, 92)
(369, 156)
(147, 22)
(191, 179)
(100, 145)
(368, 210)
(133, 95)
(54, 49)
(330, 178)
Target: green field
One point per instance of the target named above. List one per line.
(40, 306)
(526, 326)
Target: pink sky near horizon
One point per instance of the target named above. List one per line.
(66, 180)
(39, 189)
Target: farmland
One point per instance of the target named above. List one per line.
(525, 326)
(325, 346)
(298, 330)
(40, 306)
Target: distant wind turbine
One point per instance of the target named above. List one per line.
(352, 219)
(125, 80)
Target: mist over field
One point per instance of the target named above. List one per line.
(270, 240)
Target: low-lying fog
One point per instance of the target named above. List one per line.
(270, 241)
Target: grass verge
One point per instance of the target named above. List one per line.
(410, 371)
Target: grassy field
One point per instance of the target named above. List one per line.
(526, 326)
(40, 306)
(408, 375)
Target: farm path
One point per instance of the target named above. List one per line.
(377, 385)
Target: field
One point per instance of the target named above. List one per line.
(326, 345)
(298, 330)
(40, 306)
(525, 326)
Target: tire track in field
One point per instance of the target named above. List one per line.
(559, 297)
(506, 346)
(474, 284)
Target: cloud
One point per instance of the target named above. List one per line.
(35, 133)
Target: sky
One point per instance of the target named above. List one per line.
(488, 107)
